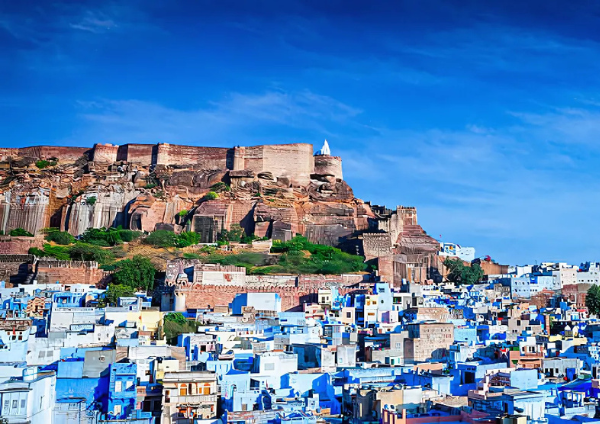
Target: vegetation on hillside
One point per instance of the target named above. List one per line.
(137, 273)
(298, 256)
(166, 239)
(459, 273)
(109, 236)
(175, 324)
(20, 232)
(592, 300)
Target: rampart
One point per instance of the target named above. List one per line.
(105, 153)
(14, 269)
(329, 165)
(295, 161)
(204, 157)
(19, 245)
(292, 297)
(62, 153)
(69, 272)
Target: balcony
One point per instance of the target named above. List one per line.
(193, 399)
(149, 390)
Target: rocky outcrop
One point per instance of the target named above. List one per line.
(274, 191)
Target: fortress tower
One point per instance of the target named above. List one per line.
(325, 164)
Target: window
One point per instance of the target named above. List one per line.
(183, 390)
(206, 389)
(23, 403)
(117, 410)
(118, 386)
(15, 403)
(348, 314)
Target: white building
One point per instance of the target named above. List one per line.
(28, 399)
(465, 253)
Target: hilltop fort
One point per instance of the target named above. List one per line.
(271, 191)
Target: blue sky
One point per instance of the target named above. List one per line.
(485, 115)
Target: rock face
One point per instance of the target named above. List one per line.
(274, 191)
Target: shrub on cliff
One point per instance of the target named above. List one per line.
(220, 187)
(211, 195)
(187, 238)
(182, 213)
(90, 252)
(41, 164)
(60, 237)
(129, 235)
(137, 273)
(162, 238)
(20, 232)
(91, 200)
(234, 234)
(57, 252)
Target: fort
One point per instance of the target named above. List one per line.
(295, 161)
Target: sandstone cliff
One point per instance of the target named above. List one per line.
(273, 191)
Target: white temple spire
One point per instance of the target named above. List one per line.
(325, 149)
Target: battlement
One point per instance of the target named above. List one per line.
(294, 161)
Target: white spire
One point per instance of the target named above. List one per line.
(325, 149)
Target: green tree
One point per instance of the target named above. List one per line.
(460, 273)
(211, 195)
(20, 232)
(89, 252)
(220, 187)
(235, 233)
(60, 237)
(183, 213)
(162, 238)
(91, 200)
(592, 300)
(115, 291)
(176, 317)
(187, 238)
(137, 272)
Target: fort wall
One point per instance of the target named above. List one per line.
(295, 161)
(105, 153)
(62, 153)
(19, 245)
(142, 154)
(69, 272)
(292, 297)
(329, 165)
(204, 157)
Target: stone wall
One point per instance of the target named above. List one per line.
(376, 244)
(105, 153)
(204, 157)
(62, 153)
(292, 298)
(143, 154)
(329, 165)
(69, 272)
(295, 161)
(19, 245)
(14, 269)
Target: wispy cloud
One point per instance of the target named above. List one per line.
(95, 22)
(239, 118)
